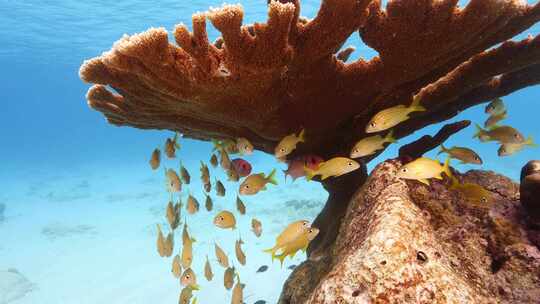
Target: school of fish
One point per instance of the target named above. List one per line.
(297, 235)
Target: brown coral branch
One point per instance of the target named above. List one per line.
(427, 143)
(344, 54)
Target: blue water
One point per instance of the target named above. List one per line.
(80, 201)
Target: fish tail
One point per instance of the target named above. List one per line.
(281, 258)
(479, 131)
(310, 173)
(446, 167)
(530, 142)
(416, 106)
(389, 138)
(302, 135)
(195, 287)
(443, 149)
(272, 177)
(217, 144)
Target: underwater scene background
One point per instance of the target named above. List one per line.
(79, 203)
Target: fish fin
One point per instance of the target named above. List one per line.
(438, 177)
(446, 167)
(389, 138)
(479, 131)
(272, 177)
(530, 142)
(416, 106)
(281, 258)
(193, 240)
(424, 181)
(195, 287)
(285, 172)
(443, 149)
(324, 176)
(302, 135)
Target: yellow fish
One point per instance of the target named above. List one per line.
(213, 160)
(225, 219)
(465, 155)
(496, 106)
(393, 116)
(240, 206)
(370, 145)
(509, 149)
(474, 193)
(289, 234)
(189, 278)
(288, 144)
(502, 134)
(186, 238)
(176, 268)
(160, 242)
(336, 166)
(228, 277)
(187, 255)
(221, 257)
(492, 121)
(209, 204)
(220, 189)
(171, 145)
(244, 146)
(173, 181)
(240, 255)
(208, 274)
(155, 160)
(238, 292)
(186, 178)
(424, 168)
(192, 205)
(257, 182)
(256, 227)
(185, 295)
(205, 174)
(300, 243)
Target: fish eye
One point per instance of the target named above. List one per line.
(516, 135)
(404, 170)
(484, 199)
(372, 124)
(350, 163)
(221, 218)
(282, 149)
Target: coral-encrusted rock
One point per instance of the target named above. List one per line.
(404, 242)
(530, 191)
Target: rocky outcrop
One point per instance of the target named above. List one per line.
(403, 242)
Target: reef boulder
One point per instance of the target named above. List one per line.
(404, 242)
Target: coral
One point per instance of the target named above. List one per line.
(266, 80)
(403, 242)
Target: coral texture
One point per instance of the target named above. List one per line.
(403, 242)
(266, 80)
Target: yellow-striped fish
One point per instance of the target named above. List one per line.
(424, 168)
(393, 116)
(465, 155)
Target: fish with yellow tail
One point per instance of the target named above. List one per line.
(473, 193)
(185, 296)
(289, 234)
(225, 220)
(176, 267)
(502, 134)
(187, 255)
(186, 178)
(369, 145)
(186, 238)
(256, 227)
(172, 181)
(160, 242)
(228, 277)
(393, 116)
(288, 144)
(240, 206)
(257, 182)
(509, 149)
(465, 155)
(424, 168)
(334, 167)
(192, 205)
(214, 160)
(300, 243)
(228, 145)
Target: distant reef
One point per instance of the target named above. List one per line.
(404, 242)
